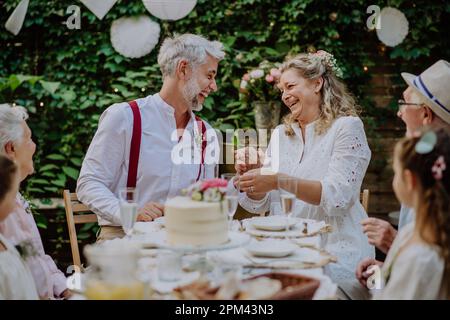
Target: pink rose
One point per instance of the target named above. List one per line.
(275, 73)
(214, 183)
(269, 78)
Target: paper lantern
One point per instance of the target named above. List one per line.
(134, 37)
(393, 26)
(16, 19)
(170, 9)
(99, 7)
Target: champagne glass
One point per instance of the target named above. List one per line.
(231, 197)
(288, 190)
(128, 209)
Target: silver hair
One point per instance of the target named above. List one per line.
(11, 129)
(193, 48)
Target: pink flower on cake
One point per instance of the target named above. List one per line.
(214, 183)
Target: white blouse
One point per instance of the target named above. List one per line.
(338, 159)
(166, 165)
(412, 272)
(16, 281)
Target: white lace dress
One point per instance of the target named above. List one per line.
(338, 159)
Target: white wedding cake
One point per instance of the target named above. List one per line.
(197, 219)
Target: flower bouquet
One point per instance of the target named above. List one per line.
(258, 88)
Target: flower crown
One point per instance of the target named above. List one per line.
(425, 145)
(328, 59)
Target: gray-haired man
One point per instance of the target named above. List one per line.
(189, 66)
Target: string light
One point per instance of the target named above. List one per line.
(143, 89)
(365, 68)
(116, 90)
(41, 104)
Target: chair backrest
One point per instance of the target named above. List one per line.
(76, 213)
(364, 198)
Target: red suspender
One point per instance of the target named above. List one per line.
(135, 145)
(202, 129)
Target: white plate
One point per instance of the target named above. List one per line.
(271, 248)
(158, 240)
(273, 223)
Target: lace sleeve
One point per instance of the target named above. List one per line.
(348, 165)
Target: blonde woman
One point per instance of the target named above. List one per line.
(322, 143)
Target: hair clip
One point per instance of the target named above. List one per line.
(439, 166)
(426, 143)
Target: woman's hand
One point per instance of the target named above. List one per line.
(247, 159)
(258, 182)
(150, 212)
(365, 269)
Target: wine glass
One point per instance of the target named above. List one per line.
(231, 197)
(288, 190)
(128, 209)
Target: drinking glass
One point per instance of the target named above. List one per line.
(231, 197)
(128, 209)
(288, 190)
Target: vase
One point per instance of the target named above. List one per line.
(267, 114)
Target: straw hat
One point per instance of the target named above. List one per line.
(433, 86)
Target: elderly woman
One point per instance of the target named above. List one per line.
(19, 227)
(322, 143)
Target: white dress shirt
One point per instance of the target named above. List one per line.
(166, 165)
(338, 159)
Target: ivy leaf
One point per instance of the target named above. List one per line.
(55, 156)
(69, 96)
(71, 172)
(76, 161)
(48, 167)
(50, 86)
(59, 183)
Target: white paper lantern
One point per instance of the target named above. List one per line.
(170, 9)
(134, 37)
(17, 17)
(99, 7)
(393, 26)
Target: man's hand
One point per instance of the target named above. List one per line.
(150, 212)
(362, 270)
(380, 233)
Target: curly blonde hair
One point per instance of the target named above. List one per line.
(336, 100)
(433, 212)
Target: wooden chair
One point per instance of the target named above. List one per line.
(76, 213)
(364, 198)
